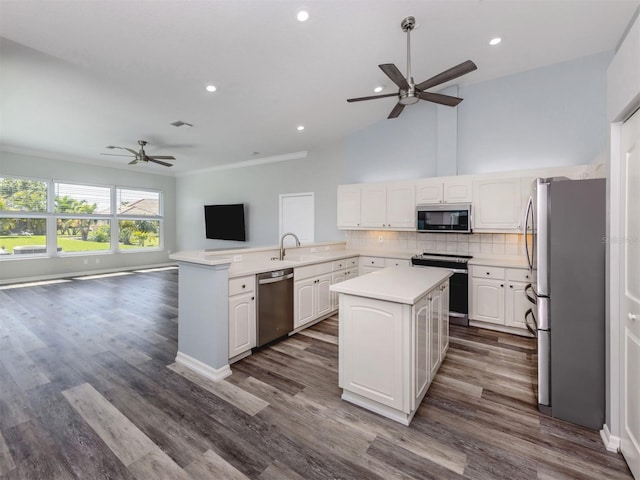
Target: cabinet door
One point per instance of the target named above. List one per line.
(457, 190)
(242, 323)
(401, 205)
(421, 345)
(497, 205)
(444, 320)
(517, 305)
(337, 277)
(351, 273)
(304, 302)
(348, 206)
(323, 296)
(373, 211)
(428, 191)
(434, 333)
(488, 300)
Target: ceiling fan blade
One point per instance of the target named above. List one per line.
(439, 98)
(395, 75)
(373, 97)
(111, 147)
(397, 110)
(150, 159)
(450, 74)
(161, 157)
(133, 162)
(115, 155)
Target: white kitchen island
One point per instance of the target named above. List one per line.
(393, 336)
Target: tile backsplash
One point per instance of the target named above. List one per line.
(485, 244)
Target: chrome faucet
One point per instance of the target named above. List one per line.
(282, 243)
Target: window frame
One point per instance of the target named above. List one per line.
(51, 218)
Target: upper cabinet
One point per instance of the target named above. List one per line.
(349, 206)
(497, 205)
(444, 190)
(379, 206)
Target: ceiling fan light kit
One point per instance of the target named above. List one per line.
(409, 93)
(141, 155)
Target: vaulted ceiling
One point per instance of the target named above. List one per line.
(79, 75)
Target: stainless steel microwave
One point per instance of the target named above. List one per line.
(444, 218)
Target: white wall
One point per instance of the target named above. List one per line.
(31, 166)
(259, 188)
(547, 117)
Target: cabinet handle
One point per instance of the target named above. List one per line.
(488, 273)
(244, 286)
(510, 286)
(526, 276)
(253, 298)
(340, 265)
(502, 284)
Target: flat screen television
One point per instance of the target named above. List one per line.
(225, 222)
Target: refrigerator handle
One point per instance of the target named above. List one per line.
(532, 299)
(526, 225)
(532, 329)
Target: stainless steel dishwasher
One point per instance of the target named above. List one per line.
(275, 305)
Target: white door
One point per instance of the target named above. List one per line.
(488, 300)
(348, 206)
(434, 334)
(242, 324)
(401, 206)
(297, 216)
(421, 339)
(373, 206)
(517, 305)
(323, 295)
(428, 191)
(457, 190)
(304, 302)
(630, 301)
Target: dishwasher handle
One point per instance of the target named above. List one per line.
(263, 281)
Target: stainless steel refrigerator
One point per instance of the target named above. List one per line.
(565, 244)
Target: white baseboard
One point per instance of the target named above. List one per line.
(611, 442)
(207, 371)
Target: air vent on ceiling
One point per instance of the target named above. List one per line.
(180, 123)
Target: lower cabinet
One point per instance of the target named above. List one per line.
(312, 299)
(390, 352)
(498, 296)
(242, 315)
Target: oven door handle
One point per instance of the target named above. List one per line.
(458, 270)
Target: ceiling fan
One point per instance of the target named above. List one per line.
(141, 155)
(411, 93)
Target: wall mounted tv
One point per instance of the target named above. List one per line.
(225, 222)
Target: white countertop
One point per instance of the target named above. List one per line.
(396, 284)
(200, 256)
(501, 261)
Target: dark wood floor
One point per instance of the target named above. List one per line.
(89, 389)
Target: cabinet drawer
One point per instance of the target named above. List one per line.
(314, 270)
(519, 275)
(371, 262)
(352, 262)
(242, 285)
(487, 272)
(397, 262)
(339, 264)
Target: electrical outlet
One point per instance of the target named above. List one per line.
(380, 239)
(237, 258)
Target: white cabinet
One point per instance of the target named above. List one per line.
(344, 269)
(242, 315)
(444, 320)
(312, 299)
(390, 352)
(444, 190)
(497, 205)
(348, 206)
(498, 297)
(386, 206)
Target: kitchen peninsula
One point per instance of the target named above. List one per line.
(393, 336)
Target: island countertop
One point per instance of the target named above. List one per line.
(397, 284)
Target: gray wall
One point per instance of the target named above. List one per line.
(31, 166)
(259, 188)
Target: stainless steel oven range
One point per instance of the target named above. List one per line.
(458, 283)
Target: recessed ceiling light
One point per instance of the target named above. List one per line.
(211, 88)
(303, 16)
(495, 41)
(378, 89)
(300, 128)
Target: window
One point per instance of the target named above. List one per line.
(23, 228)
(81, 218)
(138, 214)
